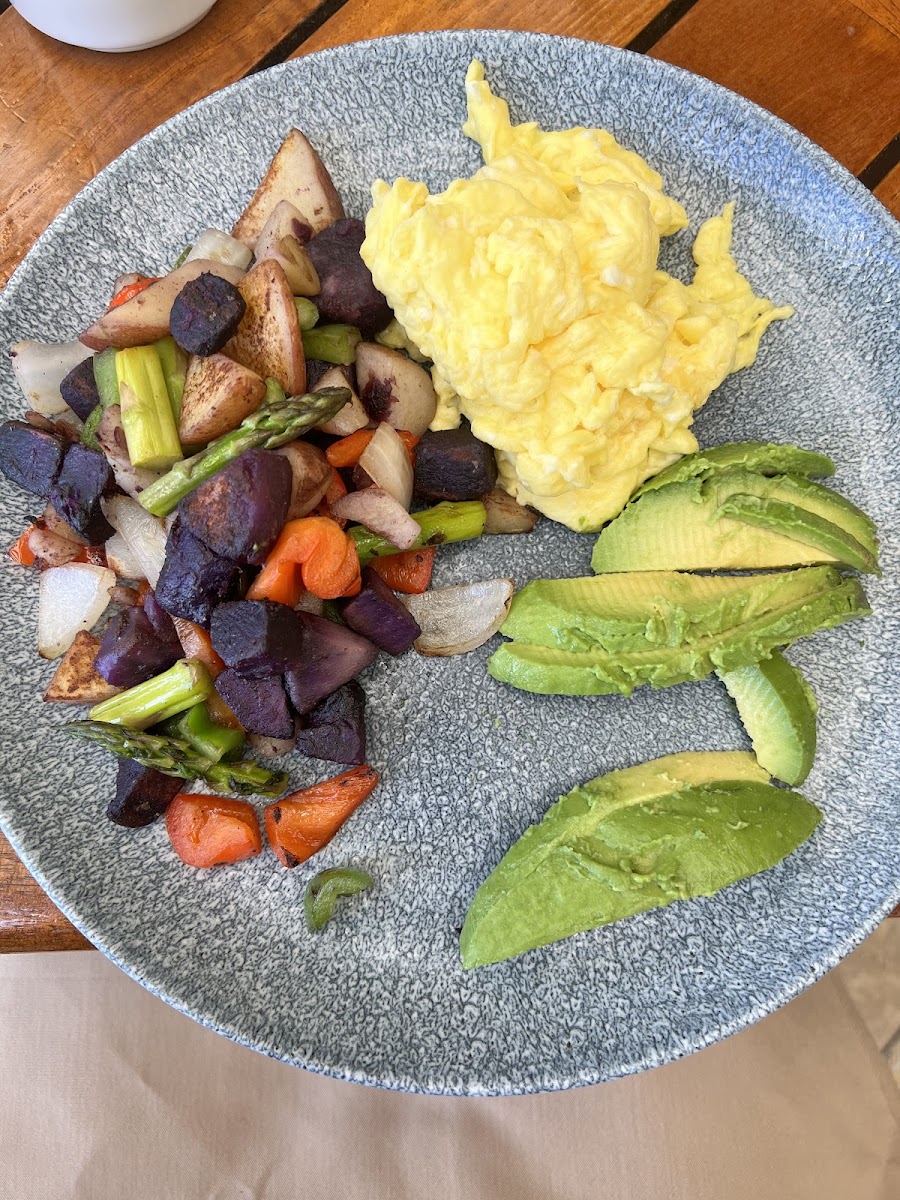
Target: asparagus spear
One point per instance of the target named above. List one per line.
(451, 521)
(173, 756)
(271, 425)
(147, 418)
(165, 695)
(331, 343)
(307, 312)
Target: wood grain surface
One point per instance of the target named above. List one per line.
(830, 67)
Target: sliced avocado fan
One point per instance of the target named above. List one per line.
(593, 637)
(765, 458)
(737, 520)
(682, 826)
(778, 710)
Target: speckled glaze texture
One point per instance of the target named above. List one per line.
(468, 764)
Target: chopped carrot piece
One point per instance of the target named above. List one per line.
(206, 831)
(347, 452)
(312, 553)
(123, 295)
(408, 572)
(20, 551)
(303, 822)
(196, 643)
(336, 489)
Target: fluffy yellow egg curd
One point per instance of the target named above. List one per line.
(534, 289)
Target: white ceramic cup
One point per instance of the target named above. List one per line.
(113, 25)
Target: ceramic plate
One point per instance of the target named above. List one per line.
(468, 764)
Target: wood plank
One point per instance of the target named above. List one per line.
(612, 21)
(65, 113)
(29, 920)
(822, 65)
(888, 191)
(885, 12)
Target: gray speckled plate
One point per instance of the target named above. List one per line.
(379, 997)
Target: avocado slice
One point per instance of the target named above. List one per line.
(778, 709)
(765, 458)
(681, 826)
(634, 610)
(737, 520)
(550, 670)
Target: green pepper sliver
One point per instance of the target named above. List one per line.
(107, 389)
(208, 738)
(323, 890)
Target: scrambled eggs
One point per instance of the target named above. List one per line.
(534, 289)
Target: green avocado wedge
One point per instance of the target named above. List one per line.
(679, 827)
(737, 520)
(778, 710)
(765, 458)
(781, 609)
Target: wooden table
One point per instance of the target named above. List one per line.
(830, 67)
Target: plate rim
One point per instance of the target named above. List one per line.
(855, 193)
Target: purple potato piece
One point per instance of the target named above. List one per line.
(347, 296)
(241, 510)
(452, 464)
(205, 314)
(194, 579)
(79, 389)
(31, 457)
(142, 794)
(135, 647)
(331, 656)
(377, 614)
(335, 730)
(257, 637)
(85, 478)
(259, 704)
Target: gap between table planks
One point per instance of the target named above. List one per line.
(832, 69)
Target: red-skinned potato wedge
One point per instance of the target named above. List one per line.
(218, 394)
(303, 822)
(283, 239)
(352, 416)
(395, 389)
(268, 339)
(76, 681)
(208, 831)
(297, 174)
(310, 477)
(145, 318)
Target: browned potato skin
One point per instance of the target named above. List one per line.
(76, 681)
(145, 318)
(297, 174)
(218, 394)
(506, 515)
(310, 476)
(268, 339)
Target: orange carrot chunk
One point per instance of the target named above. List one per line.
(336, 489)
(206, 831)
(123, 295)
(303, 822)
(196, 643)
(312, 553)
(20, 551)
(347, 452)
(409, 572)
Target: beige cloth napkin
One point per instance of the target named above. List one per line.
(108, 1094)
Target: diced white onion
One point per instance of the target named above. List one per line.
(380, 512)
(221, 247)
(144, 534)
(455, 620)
(71, 598)
(386, 461)
(40, 368)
